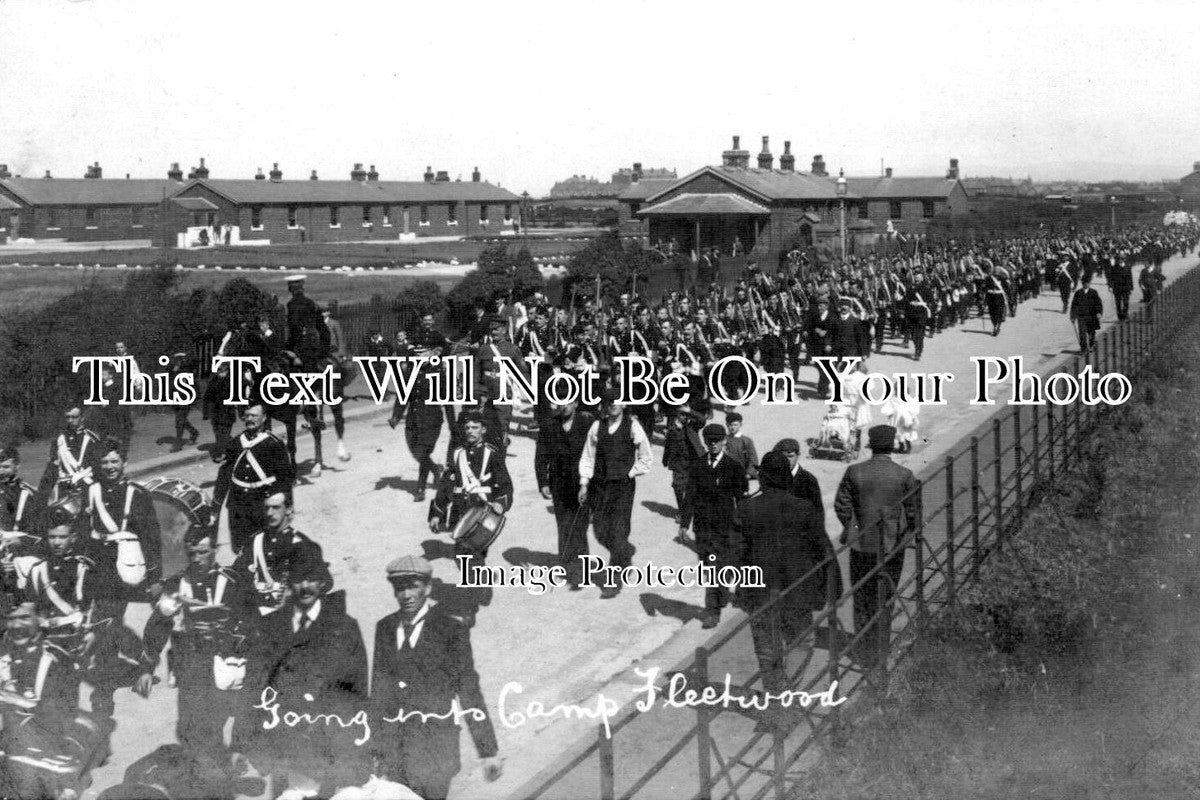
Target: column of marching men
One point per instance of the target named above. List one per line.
(85, 543)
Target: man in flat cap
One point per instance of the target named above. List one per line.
(616, 453)
(717, 485)
(878, 503)
(422, 664)
(309, 648)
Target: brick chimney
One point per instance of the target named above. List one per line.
(94, 172)
(952, 173)
(787, 161)
(887, 173)
(429, 175)
(736, 156)
(201, 171)
(373, 174)
(47, 176)
(313, 177)
(276, 174)
(765, 159)
(1195, 167)
(443, 176)
(258, 176)
(636, 175)
(4, 173)
(818, 166)
(358, 173)
(476, 176)
(175, 173)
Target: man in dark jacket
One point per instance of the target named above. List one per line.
(308, 648)
(878, 503)
(560, 444)
(717, 484)
(422, 665)
(1086, 308)
(1120, 282)
(802, 484)
(784, 535)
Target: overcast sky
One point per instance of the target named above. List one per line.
(532, 92)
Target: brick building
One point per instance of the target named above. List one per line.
(770, 210)
(1189, 189)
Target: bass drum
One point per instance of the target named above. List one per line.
(178, 505)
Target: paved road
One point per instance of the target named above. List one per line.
(565, 647)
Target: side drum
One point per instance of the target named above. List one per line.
(178, 505)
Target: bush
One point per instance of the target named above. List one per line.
(610, 259)
(418, 299)
(498, 276)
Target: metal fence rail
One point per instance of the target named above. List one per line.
(970, 504)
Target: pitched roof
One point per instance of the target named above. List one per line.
(86, 191)
(8, 205)
(885, 188)
(194, 203)
(693, 204)
(306, 191)
(644, 188)
(769, 185)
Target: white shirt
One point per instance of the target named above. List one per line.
(312, 615)
(417, 624)
(643, 457)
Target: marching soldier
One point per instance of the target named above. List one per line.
(73, 459)
(17, 506)
(126, 541)
(475, 475)
(256, 464)
(917, 313)
(61, 583)
(262, 566)
(202, 612)
(303, 316)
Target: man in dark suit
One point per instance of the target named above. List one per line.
(560, 444)
(1120, 281)
(309, 647)
(878, 503)
(784, 535)
(802, 484)
(1086, 308)
(422, 665)
(846, 336)
(716, 484)
(818, 324)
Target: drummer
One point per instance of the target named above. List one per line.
(116, 505)
(17, 510)
(62, 583)
(73, 458)
(475, 476)
(264, 563)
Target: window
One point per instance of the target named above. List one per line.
(864, 211)
(927, 208)
(634, 208)
(52, 218)
(452, 214)
(135, 216)
(424, 215)
(334, 217)
(508, 211)
(894, 210)
(89, 217)
(387, 216)
(366, 216)
(483, 214)
(256, 218)
(291, 212)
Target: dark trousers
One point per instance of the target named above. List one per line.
(866, 598)
(203, 711)
(1121, 299)
(245, 516)
(1086, 329)
(683, 514)
(770, 631)
(712, 541)
(612, 510)
(182, 424)
(916, 331)
(572, 525)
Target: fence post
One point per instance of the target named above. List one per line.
(833, 578)
(1078, 422)
(1019, 463)
(703, 734)
(977, 556)
(607, 781)
(1050, 441)
(1037, 450)
(999, 474)
(951, 578)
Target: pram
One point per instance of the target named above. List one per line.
(838, 439)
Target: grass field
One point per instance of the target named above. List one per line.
(57, 274)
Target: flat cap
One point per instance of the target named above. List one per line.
(409, 565)
(713, 433)
(881, 437)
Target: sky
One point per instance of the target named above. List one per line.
(532, 92)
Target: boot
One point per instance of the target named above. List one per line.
(342, 453)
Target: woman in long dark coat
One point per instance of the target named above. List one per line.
(785, 536)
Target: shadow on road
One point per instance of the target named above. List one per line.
(655, 605)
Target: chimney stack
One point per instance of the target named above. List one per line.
(735, 156)
(201, 171)
(258, 176)
(4, 173)
(443, 176)
(476, 177)
(4, 168)
(765, 159)
(47, 176)
(952, 173)
(373, 174)
(818, 166)
(313, 177)
(429, 174)
(887, 173)
(358, 173)
(94, 172)
(276, 173)
(787, 161)
(175, 173)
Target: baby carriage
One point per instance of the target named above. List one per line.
(839, 438)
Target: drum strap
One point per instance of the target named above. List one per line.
(39, 682)
(101, 510)
(248, 452)
(215, 595)
(67, 460)
(470, 483)
(21, 505)
(39, 577)
(260, 559)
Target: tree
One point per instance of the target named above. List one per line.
(498, 276)
(418, 299)
(608, 258)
